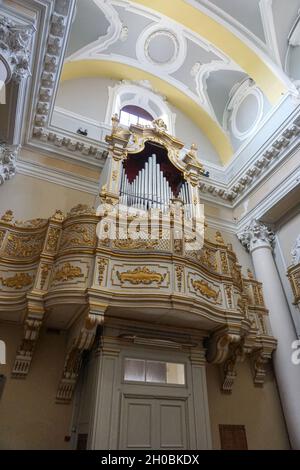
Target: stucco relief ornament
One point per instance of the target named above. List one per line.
(256, 235)
(159, 125)
(8, 156)
(15, 42)
(296, 251)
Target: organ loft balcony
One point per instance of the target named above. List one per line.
(140, 255)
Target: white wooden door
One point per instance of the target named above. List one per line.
(153, 423)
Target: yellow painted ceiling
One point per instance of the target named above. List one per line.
(217, 34)
(195, 20)
(118, 71)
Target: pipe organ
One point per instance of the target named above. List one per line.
(150, 189)
(143, 292)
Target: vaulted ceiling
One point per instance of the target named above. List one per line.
(197, 53)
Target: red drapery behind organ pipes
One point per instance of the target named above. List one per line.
(136, 162)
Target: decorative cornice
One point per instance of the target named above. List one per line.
(256, 235)
(15, 44)
(75, 146)
(56, 43)
(234, 190)
(8, 154)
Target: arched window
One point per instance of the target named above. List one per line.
(138, 103)
(131, 114)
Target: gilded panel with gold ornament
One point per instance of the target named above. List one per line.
(16, 281)
(204, 288)
(21, 246)
(140, 276)
(70, 272)
(78, 236)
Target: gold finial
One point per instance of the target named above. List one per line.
(8, 216)
(250, 274)
(219, 238)
(58, 215)
(115, 121)
(159, 125)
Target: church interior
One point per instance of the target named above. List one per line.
(149, 224)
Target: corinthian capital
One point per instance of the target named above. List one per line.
(15, 42)
(256, 235)
(8, 156)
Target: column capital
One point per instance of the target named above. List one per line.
(15, 42)
(256, 235)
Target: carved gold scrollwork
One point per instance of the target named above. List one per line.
(219, 238)
(141, 275)
(205, 289)
(224, 262)
(228, 292)
(236, 273)
(135, 244)
(102, 263)
(179, 270)
(294, 278)
(67, 272)
(18, 281)
(52, 239)
(207, 258)
(2, 234)
(20, 246)
(8, 216)
(79, 234)
(115, 175)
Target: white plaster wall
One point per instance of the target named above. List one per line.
(287, 234)
(189, 133)
(89, 97)
(85, 96)
(30, 198)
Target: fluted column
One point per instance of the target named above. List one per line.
(258, 240)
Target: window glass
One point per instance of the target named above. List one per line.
(175, 373)
(134, 370)
(156, 372)
(139, 370)
(134, 115)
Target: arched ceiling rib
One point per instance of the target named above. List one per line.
(213, 54)
(216, 33)
(119, 71)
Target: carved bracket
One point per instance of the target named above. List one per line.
(229, 369)
(32, 326)
(82, 339)
(261, 357)
(219, 343)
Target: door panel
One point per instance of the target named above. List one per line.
(172, 425)
(154, 423)
(139, 425)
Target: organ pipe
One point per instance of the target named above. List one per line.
(150, 189)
